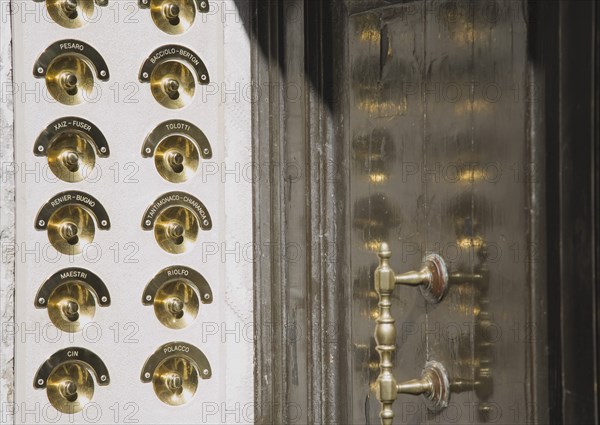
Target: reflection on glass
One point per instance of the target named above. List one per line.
(367, 28)
(382, 92)
(375, 217)
(374, 154)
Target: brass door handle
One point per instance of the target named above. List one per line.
(432, 279)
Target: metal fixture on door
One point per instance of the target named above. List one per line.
(434, 384)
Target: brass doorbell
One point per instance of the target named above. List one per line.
(72, 13)
(68, 67)
(67, 378)
(170, 71)
(71, 145)
(67, 217)
(176, 218)
(70, 295)
(174, 370)
(176, 292)
(176, 146)
(174, 16)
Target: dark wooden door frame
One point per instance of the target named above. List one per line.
(565, 50)
(301, 294)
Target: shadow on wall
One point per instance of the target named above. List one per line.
(270, 35)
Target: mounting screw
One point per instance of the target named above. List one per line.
(42, 301)
(41, 223)
(147, 375)
(207, 296)
(203, 77)
(104, 299)
(148, 150)
(40, 149)
(206, 151)
(103, 378)
(103, 73)
(148, 222)
(103, 150)
(203, 5)
(145, 75)
(148, 297)
(40, 70)
(104, 222)
(205, 371)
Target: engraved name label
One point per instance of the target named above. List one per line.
(198, 208)
(72, 46)
(60, 125)
(85, 200)
(162, 53)
(82, 125)
(75, 123)
(156, 206)
(181, 199)
(60, 200)
(68, 198)
(173, 51)
(189, 56)
(173, 126)
(177, 272)
(73, 274)
(72, 353)
(176, 348)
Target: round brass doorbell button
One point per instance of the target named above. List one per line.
(170, 71)
(176, 292)
(176, 305)
(175, 381)
(70, 387)
(174, 370)
(71, 145)
(71, 307)
(173, 84)
(70, 228)
(71, 157)
(176, 219)
(71, 295)
(176, 159)
(68, 67)
(70, 80)
(176, 230)
(72, 13)
(177, 146)
(174, 16)
(69, 220)
(68, 377)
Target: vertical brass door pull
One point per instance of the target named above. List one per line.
(433, 384)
